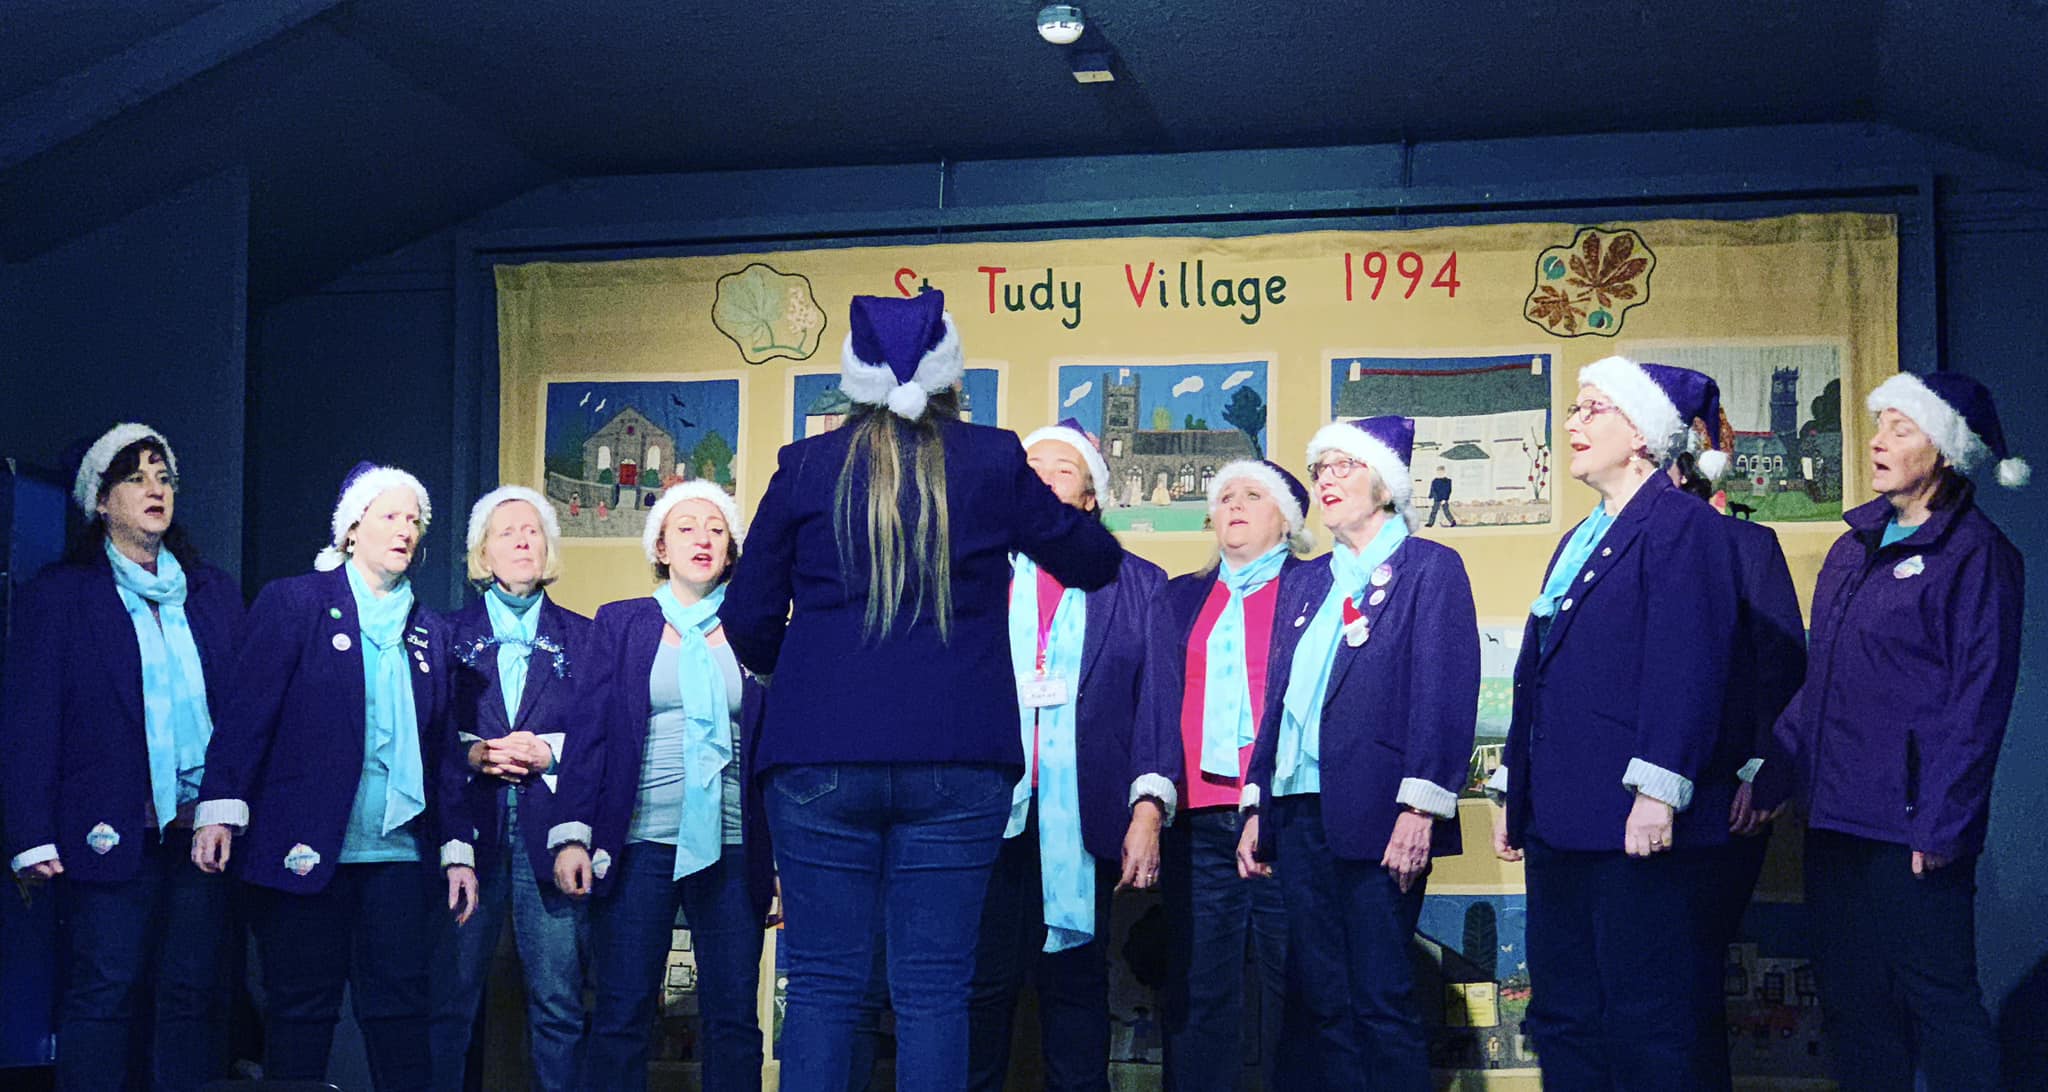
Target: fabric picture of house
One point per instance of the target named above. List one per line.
(1483, 423)
(609, 449)
(1165, 430)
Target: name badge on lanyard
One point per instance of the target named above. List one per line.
(1040, 691)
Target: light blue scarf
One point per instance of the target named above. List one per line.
(1066, 872)
(1228, 722)
(515, 624)
(1565, 571)
(175, 720)
(707, 747)
(393, 721)
(1298, 763)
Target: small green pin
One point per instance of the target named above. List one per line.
(333, 612)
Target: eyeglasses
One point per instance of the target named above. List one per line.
(169, 481)
(1589, 409)
(1337, 468)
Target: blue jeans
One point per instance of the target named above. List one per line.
(552, 936)
(371, 930)
(901, 851)
(631, 927)
(1896, 960)
(1073, 985)
(1623, 976)
(153, 942)
(1211, 915)
(1350, 924)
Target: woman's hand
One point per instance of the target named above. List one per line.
(461, 892)
(1648, 829)
(572, 870)
(1924, 863)
(1248, 864)
(1141, 846)
(522, 749)
(43, 871)
(1407, 855)
(211, 845)
(1745, 818)
(1501, 848)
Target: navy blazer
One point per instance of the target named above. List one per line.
(78, 752)
(597, 791)
(288, 746)
(554, 701)
(1401, 707)
(839, 696)
(1636, 666)
(1769, 661)
(1156, 745)
(1108, 700)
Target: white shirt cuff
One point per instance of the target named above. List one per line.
(454, 852)
(1657, 783)
(231, 813)
(1158, 788)
(1250, 799)
(555, 741)
(1427, 796)
(29, 858)
(1749, 770)
(562, 834)
(469, 738)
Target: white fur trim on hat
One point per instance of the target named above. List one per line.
(1091, 457)
(1951, 434)
(85, 488)
(356, 499)
(480, 513)
(1264, 475)
(1713, 465)
(1648, 408)
(873, 384)
(1356, 442)
(698, 489)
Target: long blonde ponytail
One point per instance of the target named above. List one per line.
(896, 559)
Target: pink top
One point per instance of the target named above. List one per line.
(1206, 790)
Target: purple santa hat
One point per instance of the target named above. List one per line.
(1286, 489)
(1070, 433)
(1384, 443)
(359, 490)
(899, 352)
(1957, 413)
(1663, 401)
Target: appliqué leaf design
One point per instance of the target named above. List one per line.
(1589, 285)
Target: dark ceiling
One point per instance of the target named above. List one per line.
(364, 124)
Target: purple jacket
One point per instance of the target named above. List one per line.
(1399, 716)
(597, 790)
(1769, 661)
(287, 749)
(77, 754)
(1635, 668)
(1107, 703)
(555, 703)
(839, 696)
(1915, 653)
(1156, 746)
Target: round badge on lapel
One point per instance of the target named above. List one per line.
(424, 669)
(342, 643)
(1379, 595)
(1566, 605)
(334, 612)
(1381, 575)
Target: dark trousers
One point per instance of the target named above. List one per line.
(631, 928)
(1443, 507)
(1736, 864)
(1073, 985)
(867, 851)
(1896, 960)
(371, 931)
(1623, 975)
(150, 947)
(1350, 925)
(1211, 915)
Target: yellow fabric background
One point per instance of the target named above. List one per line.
(1821, 277)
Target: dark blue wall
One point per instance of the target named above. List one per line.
(398, 358)
(142, 320)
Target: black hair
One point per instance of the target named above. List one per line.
(1690, 479)
(82, 541)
